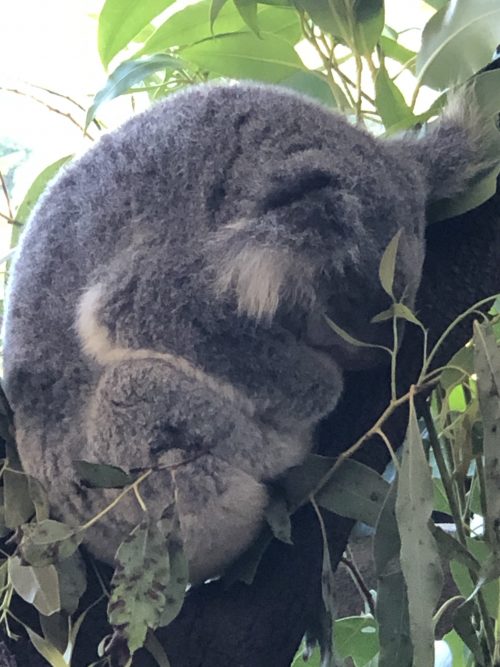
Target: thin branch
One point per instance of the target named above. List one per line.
(65, 114)
(7, 197)
(359, 581)
(10, 220)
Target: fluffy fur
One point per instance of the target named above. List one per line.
(167, 304)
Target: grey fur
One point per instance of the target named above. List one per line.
(166, 308)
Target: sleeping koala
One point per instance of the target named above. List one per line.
(167, 306)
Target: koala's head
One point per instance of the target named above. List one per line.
(316, 222)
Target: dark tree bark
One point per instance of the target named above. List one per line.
(261, 625)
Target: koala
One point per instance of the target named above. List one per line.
(167, 306)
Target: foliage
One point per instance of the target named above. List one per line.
(156, 49)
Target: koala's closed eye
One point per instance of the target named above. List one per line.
(288, 188)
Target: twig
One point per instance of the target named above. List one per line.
(65, 114)
(359, 581)
(6, 195)
(10, 220)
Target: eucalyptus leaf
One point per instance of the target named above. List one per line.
(245, 56)
(278, 517)
(458, 368)
(17, 502)
(459, 27)
(356, 637)
(248, 12)
(387, 266)
(399, 311)
(390, 102)
(46, 649)
(190, 25)
(395, 51)
(215, 8)
(72, 581)
(139, 584)
(244, 568)
(55, 630)
(102, 476)
(487, 366)
(175, 590)
(354, 491)
(463, 624)
(350, 339)
(392, 602)
(128, 73)
(311, 85)
(48, 542)
(121, 20)
(423, 574)
(38, 586)
(31, 197)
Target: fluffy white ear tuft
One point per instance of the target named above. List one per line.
(263, 277)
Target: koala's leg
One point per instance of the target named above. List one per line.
(207, 454)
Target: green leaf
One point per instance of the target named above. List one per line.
(248, 12)
(72, 581)
(451, 549)
(437, 4)
(278, 517)
(487, 366)
(178, 581)
(102, 476)
(392, 601)
(458, 649)
(423, 574)
(399, 311)
(440, 502)
(45, 648)
(48, 542)
(55, 630)
(39, 498)
(460, 366)
(387, 266)
(33, 194)
(215, 8)
(18, 505)
(356, 637)
(244, 568)
(390, 102)
(245, 56)
(139, 584)
(121, 20)
(190, 25)
(350, 339)
(128, 73)
(460, 28)
(39, 586)
(311, 85)
(463, 624)
(358, 25)
(369, 20)
(354, 491)
(395, 51)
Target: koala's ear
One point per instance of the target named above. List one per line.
(261, 274)
(453, 150)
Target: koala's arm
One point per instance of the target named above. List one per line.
(207, 451)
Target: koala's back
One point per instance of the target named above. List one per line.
(151, 193)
